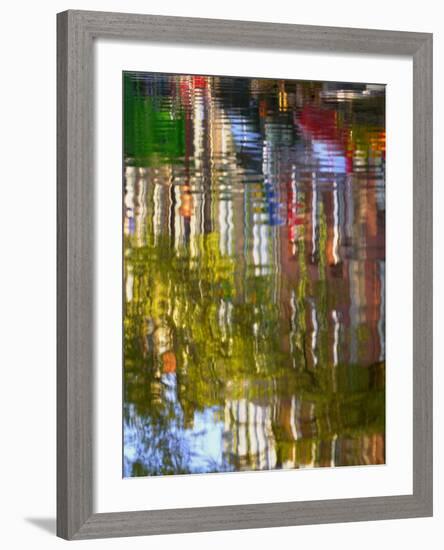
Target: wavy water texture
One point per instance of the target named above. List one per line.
(254, 267)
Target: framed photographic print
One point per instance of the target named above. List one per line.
(244, 275)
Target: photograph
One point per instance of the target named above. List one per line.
(253, 274)
(221, 247)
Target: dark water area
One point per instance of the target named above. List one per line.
(254, 274)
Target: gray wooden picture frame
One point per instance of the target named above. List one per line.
(76, 32)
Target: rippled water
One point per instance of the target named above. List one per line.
(254, 266)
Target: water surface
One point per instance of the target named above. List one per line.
(254, 273)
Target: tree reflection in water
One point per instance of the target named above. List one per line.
(254, 267)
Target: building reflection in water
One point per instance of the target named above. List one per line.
(254, 269)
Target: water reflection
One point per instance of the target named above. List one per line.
(254, 265)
